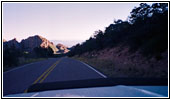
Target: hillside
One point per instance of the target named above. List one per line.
(137, 47)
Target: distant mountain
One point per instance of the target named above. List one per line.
(32, 42)
(37, 41)
(11, 43)
(62, 49)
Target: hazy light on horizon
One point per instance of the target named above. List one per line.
(60, 21)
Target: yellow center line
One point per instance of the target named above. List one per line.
(45, 74)
(25, 91)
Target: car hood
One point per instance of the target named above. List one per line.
(108, 91)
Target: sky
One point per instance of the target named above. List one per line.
(60, 21)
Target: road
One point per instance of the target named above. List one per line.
(52, 70)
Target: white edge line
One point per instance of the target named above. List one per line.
(18, 67)
(34, 94)
(22, 66)
(94, 69)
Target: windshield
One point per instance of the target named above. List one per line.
(60, 46)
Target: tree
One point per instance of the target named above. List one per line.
(146, 29)
(139, 13)
(10, 56)
(43, 52)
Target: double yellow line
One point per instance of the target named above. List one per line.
(41, 78)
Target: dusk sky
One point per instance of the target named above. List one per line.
(60, 21)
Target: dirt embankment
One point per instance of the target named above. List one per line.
(119, 62)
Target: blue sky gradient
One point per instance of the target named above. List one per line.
(60, 21)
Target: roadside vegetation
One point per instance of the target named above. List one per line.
(13, 57)
(142, 41)
(104, 66)
(22, 61)
(115, 69)
(145, 29)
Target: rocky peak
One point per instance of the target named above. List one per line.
(62, 49)
(14, 39)
(37, 41)
(61, 46)
(32, 42)
(12, 43)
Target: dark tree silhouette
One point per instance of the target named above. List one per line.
(146, 30)
(43, 52)
(10, 56)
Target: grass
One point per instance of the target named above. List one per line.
(104, 66)
(117, 69)
(108, 67)
(31, 60)
(23, 61)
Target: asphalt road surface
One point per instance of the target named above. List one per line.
(52, 70)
